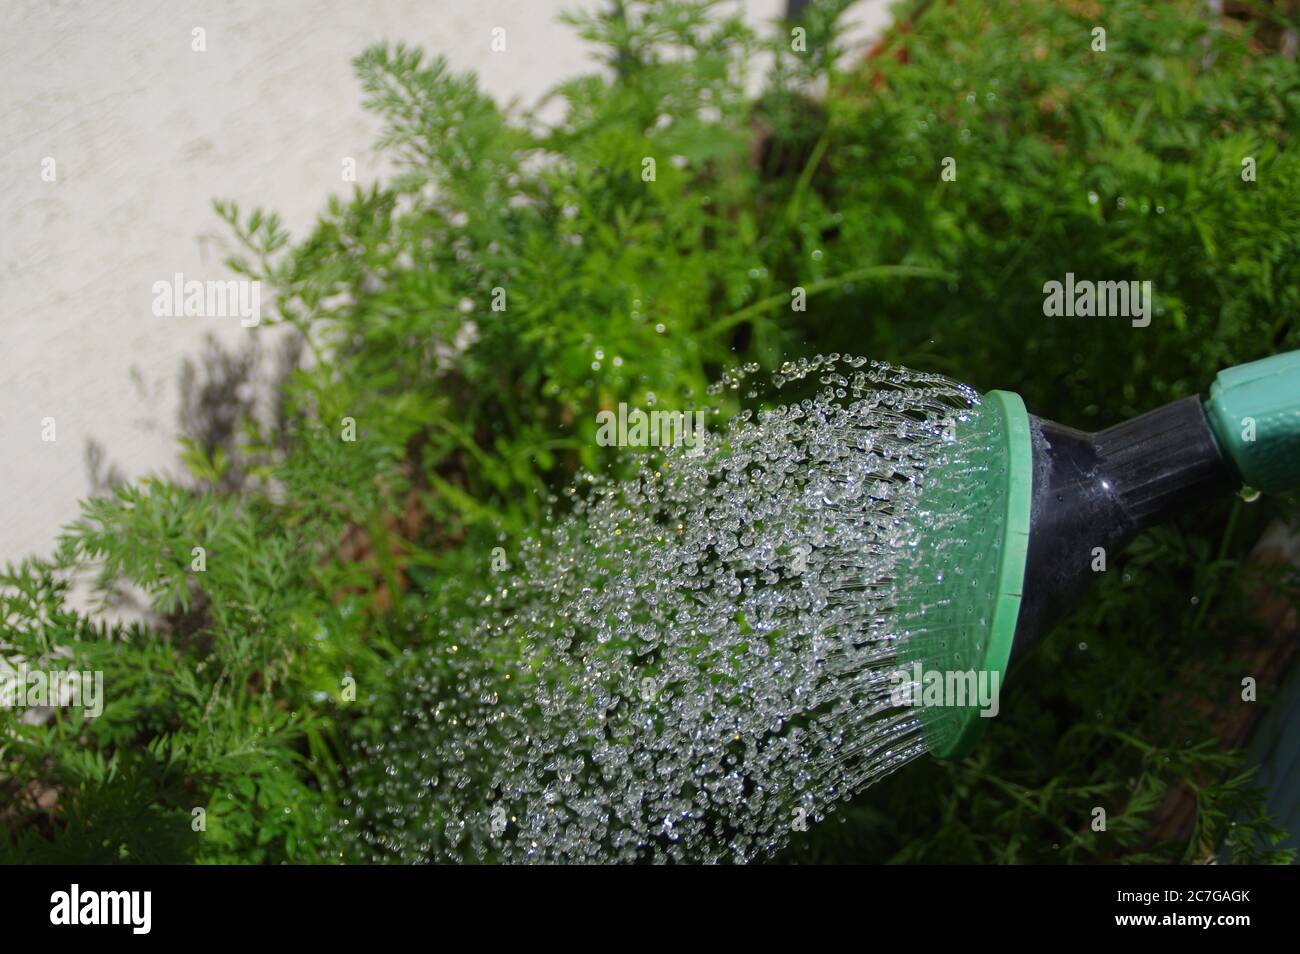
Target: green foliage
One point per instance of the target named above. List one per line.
(472, 313)
(224, 702)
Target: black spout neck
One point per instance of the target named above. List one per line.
(1094, 492)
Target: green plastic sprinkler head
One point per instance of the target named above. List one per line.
(1055, 495)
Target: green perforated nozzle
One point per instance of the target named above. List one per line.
(974, 559)
(1254, 411)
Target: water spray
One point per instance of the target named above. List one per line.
(698, 660)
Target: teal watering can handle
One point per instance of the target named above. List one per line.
(1254, 411)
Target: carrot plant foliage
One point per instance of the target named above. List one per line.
(512, 275)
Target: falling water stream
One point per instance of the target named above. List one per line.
(694, 662)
